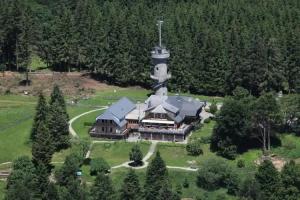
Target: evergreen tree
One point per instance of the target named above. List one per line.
(22, 180)
(290, 180)
(57, 95)
(156, 177)
(102, 188)
(42, 147)
(136, 155)
(73, 191)
(131, 189)
(58, 120)
(40, 115)
(68, 171)
(42, 174)
(269, 180)
(59, 128)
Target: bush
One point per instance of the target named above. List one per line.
(216, 173)
(194, 148)
(207, 120)
(185, 183)
(213, 108)
(136, 156)
(99, 165)
(205, 139)
(240, 163)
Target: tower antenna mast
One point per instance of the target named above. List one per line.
(159, 24)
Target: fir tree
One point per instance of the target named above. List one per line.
(22, 180)
(42, 147)
(40, 115)
(57, 95)
(136, 155)
(290, 180)
(42, 174)
(131, 189)
(102, 188)
(59, 127)
(156, 176)
(58, 120)
(269, 180)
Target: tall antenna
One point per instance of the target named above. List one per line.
(159, 24)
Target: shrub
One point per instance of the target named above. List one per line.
(136, 156)
(99, 165)
(216, 173)
(213, 108)
(194, 148)
(205, 139)
(185, 183)
(240, 163)
(207, 120)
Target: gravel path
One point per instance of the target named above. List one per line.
(71, 130)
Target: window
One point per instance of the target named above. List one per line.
(110, 129)
(102, 129)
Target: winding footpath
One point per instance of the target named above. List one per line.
(71, 130)
(150, 152)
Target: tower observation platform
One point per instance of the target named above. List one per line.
(160, 74)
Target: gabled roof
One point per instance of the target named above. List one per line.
(180, 106)
(158, 109)
(188, 106)
(118, 111)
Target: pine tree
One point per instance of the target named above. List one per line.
(58, 120)
(42, 147)
(22, 180)
(156, 176)
(269, 180)
(136, 155)
(57, 95)
(40, 115)
(42, 174)
(102, 188)
(59, 128)
(290, 180)
(131, 189)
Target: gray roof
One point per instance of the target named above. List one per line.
(118, 111)
(181, 106)
(187, 106)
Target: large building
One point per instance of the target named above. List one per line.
(160, 117)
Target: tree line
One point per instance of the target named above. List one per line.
(215, 45)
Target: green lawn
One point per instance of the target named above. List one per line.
(204, 131)
(116, 153)
(2, 190)
(290, 147)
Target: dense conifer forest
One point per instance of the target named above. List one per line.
(215, 45)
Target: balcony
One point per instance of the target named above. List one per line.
(180, 131)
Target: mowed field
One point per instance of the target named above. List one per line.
(17, 113)
(16, 117)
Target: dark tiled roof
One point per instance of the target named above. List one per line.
(118, 111)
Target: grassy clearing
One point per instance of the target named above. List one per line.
(2, 190)
(116, 153)
(290, 147)
(81, 125)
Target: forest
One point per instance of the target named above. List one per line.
(215, 45)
